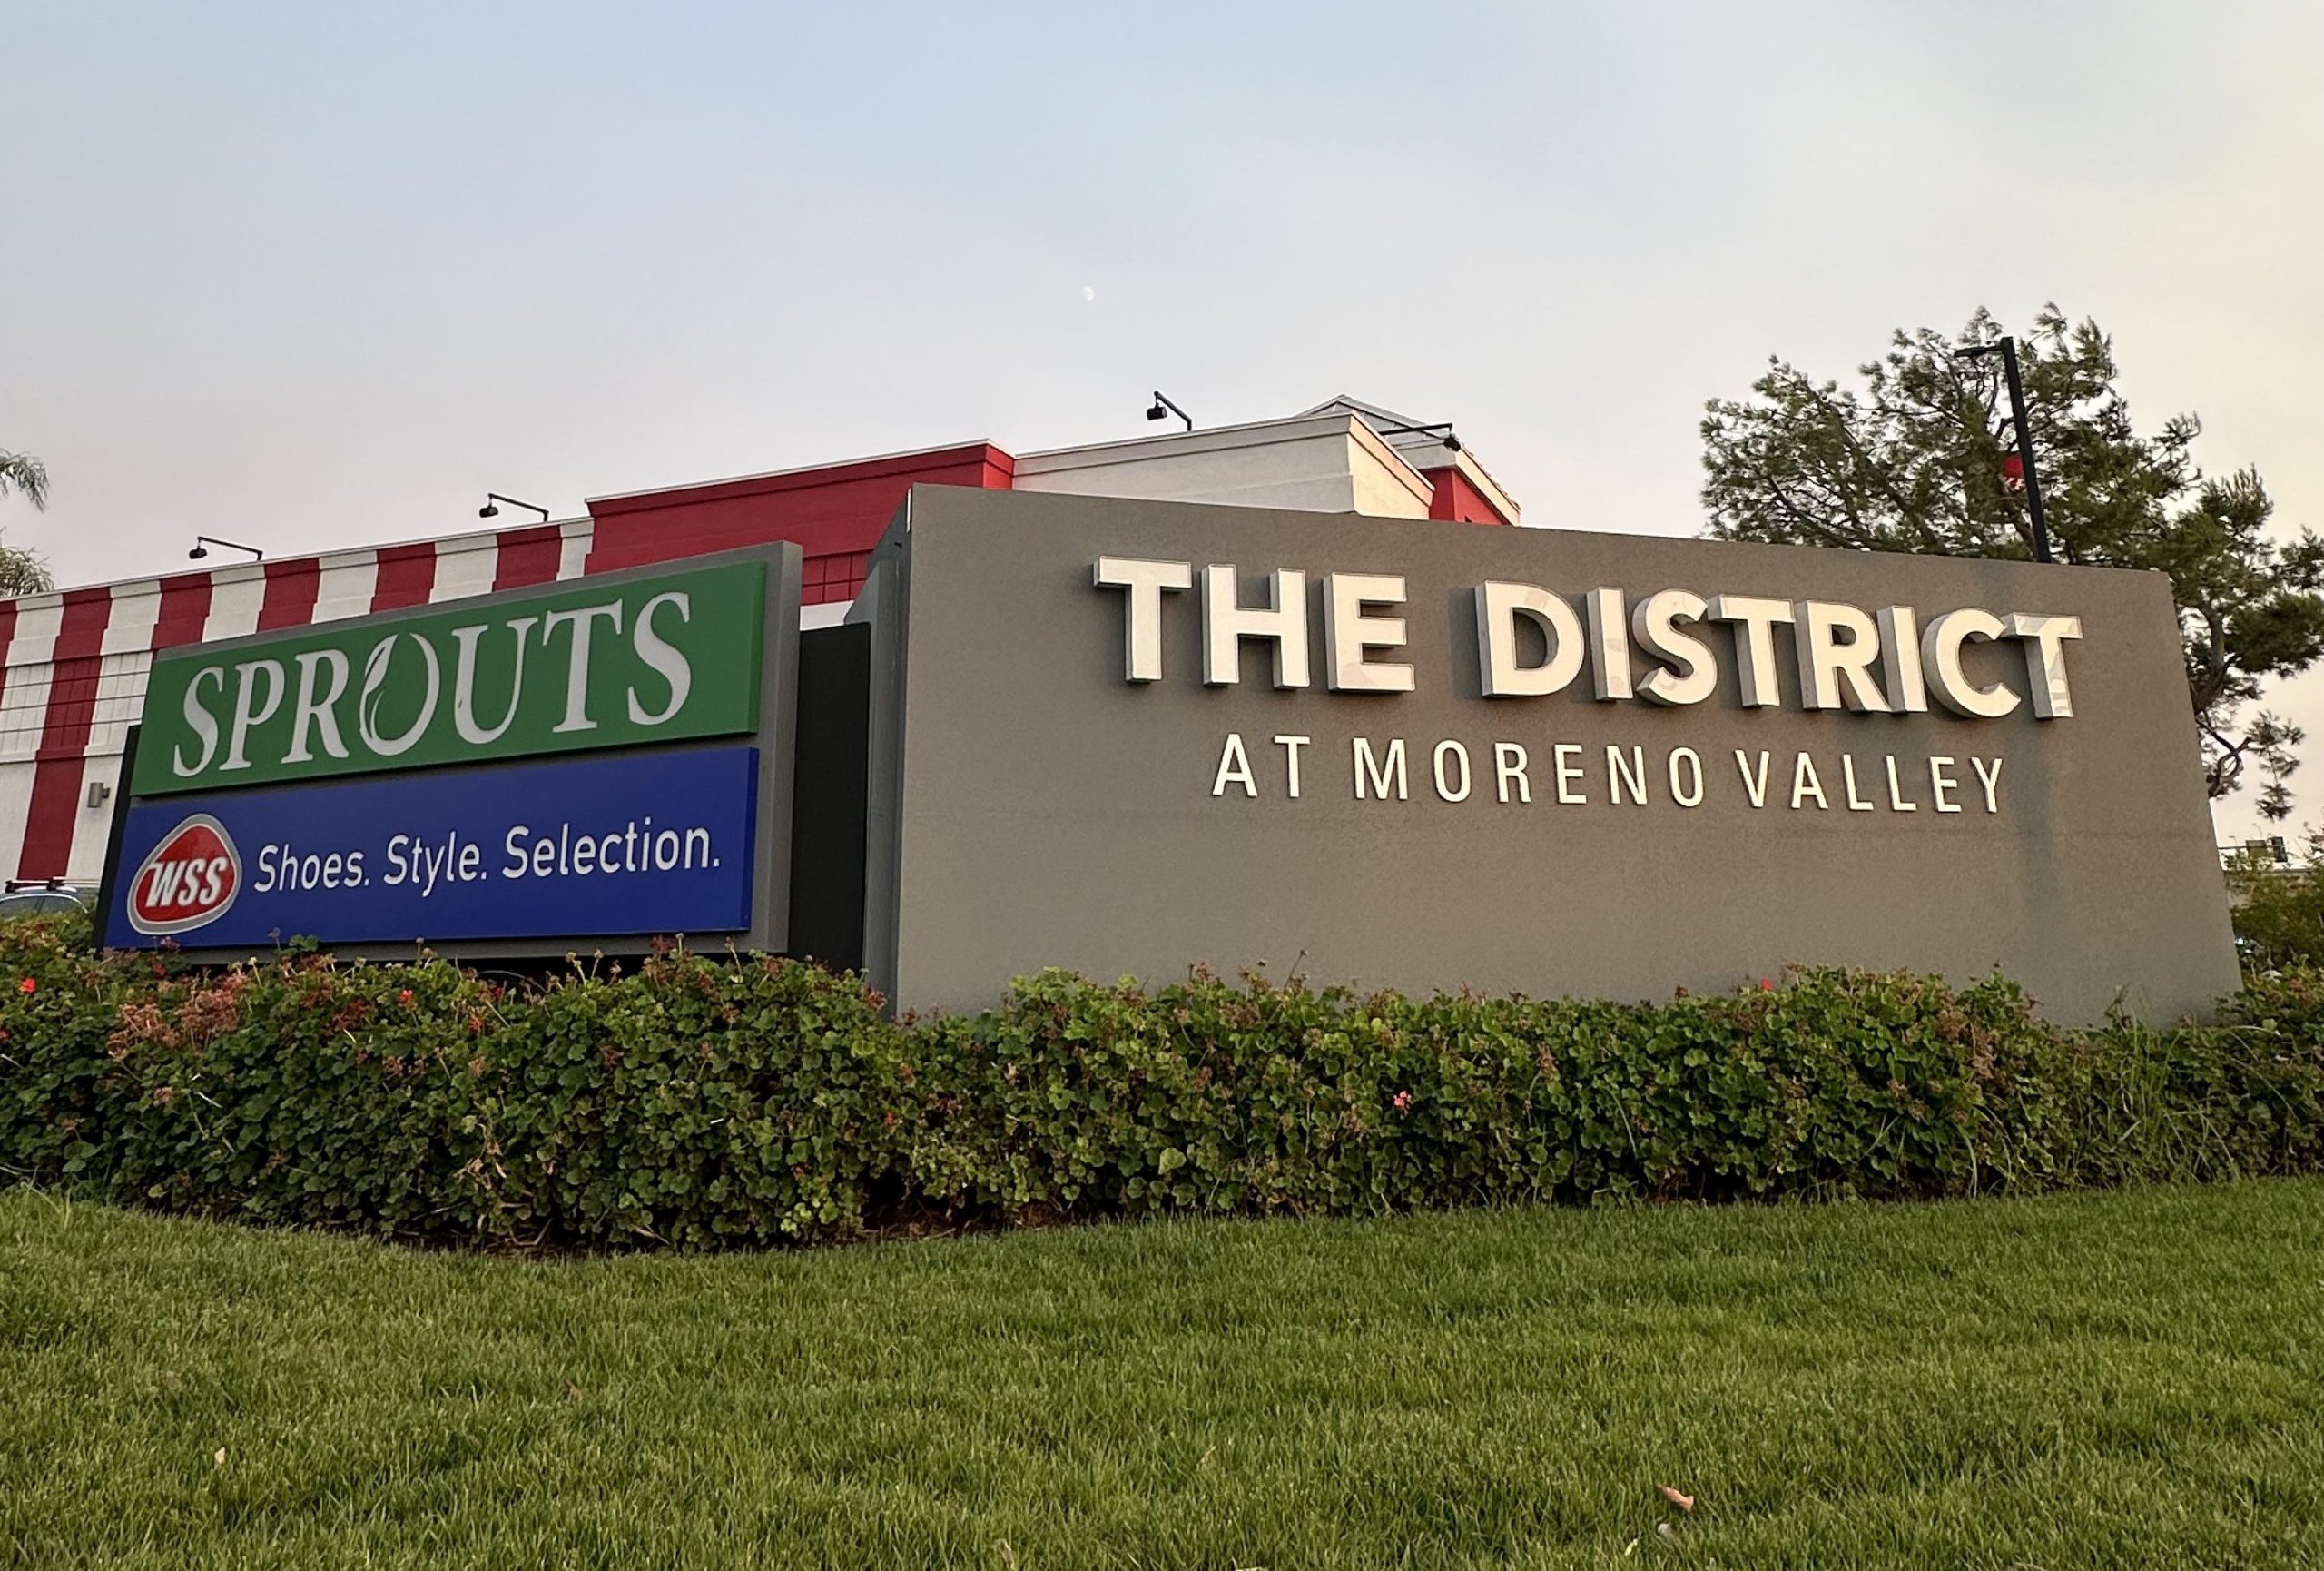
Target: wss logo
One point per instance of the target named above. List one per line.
(190, 878)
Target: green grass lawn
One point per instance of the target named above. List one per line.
(2106, 1380)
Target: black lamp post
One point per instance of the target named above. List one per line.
(1163, 409)
(201, 544)
(2007, 349)
(492, 511)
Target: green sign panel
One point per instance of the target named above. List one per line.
(561, 668)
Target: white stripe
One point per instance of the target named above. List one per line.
(573, 547)
(23, 700)
(236, 596)
(92, 826)
(136, 609)
(120, 698)
(349, 579)
(467, 568)
(830, 614)
(127, 656)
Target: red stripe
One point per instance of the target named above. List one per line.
(64, 734)
(291, 591)
(48, 822)
(528, 556)
(7, 635)
(407, 575)
(184, 611)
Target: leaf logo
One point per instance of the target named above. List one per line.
(190, 878)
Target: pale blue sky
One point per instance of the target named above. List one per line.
(309, 276)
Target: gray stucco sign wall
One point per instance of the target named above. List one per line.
(1123, 736)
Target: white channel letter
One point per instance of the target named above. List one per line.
(1291, 746)
(246, 713)
(1690, 792)
(1940, 781)
(577, 672)
(1619, 771)
(1609, 643)
(375, 676)
(1348, 633)
(1900, 660)
(200, 722)
(1508, 766)
(669, 663)
(1835, 671)
(464, 681)
(1856, 804)
(1755, 620)
(1804, 783)
(1234, 768)
(1451, 749)
(1688, 674)
(1567, 770)
(2045, 662)
(1992, 782)
(1379, 771)
(1499, 605)
(1941, 659)
(1225, 623)
(1145, 583)
(319, 714)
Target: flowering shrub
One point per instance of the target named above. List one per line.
(703, 1104)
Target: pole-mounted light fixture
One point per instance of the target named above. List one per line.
(201, 544)
(2007, 349)
(1163, 409)
(492, 510)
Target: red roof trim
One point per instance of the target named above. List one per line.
(984, 453)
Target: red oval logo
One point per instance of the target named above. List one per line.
(190, 878)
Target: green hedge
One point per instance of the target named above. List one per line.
(707, 1103)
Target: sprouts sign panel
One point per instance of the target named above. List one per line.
(583, 665)
(1126, 737)
(606, 758)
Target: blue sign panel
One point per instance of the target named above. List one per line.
(618, 843)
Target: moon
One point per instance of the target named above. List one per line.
(1087, 293)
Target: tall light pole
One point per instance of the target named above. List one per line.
(2008, 350)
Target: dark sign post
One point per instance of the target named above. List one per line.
(591, 763)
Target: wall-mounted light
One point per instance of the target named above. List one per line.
(489, 510)
(201, 544)
(1163, 409)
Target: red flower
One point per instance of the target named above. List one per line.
(1403, 1099)
(404, 996)
(1766, 986)
(28, 987)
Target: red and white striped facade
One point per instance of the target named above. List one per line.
(76, 659)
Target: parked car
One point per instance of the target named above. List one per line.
(44, 897)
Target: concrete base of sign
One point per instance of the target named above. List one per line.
(1072, 771)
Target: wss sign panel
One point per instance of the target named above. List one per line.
(622, 842)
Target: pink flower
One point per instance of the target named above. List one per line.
(1766, 986)
(1403, 1099)
(404, 996)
